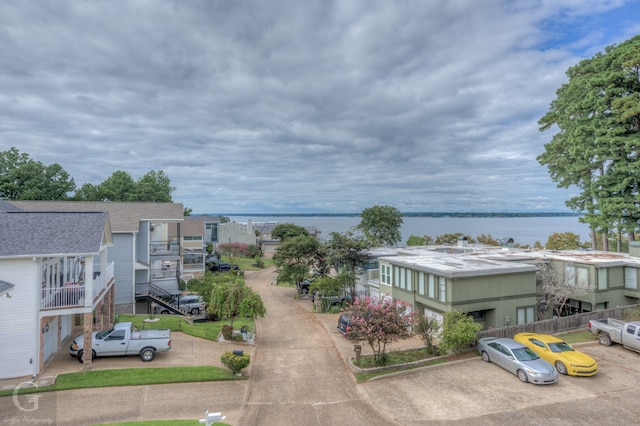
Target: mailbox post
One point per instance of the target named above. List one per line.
(357, 349)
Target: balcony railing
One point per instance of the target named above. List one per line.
(73, 295)
(164, 247)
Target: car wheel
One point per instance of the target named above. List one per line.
(522, 376)
(485, 356)
(562, 369)
(604, 339)
(195, 311)
(147, 354)
(164, 312)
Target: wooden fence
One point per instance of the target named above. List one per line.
(557, 325)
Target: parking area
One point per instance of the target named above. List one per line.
(472, 392)
(475, 392)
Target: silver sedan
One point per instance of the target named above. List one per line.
(518, 359)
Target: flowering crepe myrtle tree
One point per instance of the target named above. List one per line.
(380, 323)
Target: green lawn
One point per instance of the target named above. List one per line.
(205, 330)
(132, 377)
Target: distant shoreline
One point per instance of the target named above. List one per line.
(421, 214)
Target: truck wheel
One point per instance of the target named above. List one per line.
(562, 369)
(147, 354)
(81, 353)
(604, 339)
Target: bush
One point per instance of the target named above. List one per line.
(227, 331)
(182, 286)
(458, 331)
(235, 363)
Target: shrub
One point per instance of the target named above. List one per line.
(235, 363)
(428, 327)
(227, 331)
(459, 330)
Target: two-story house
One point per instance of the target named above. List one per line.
(55, 272)
(143, 251)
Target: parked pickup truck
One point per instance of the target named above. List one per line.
(612, 330)
(124, 339)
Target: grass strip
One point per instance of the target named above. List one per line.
(131, 377)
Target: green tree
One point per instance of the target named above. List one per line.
(154, 187)
(22, 178)
(452, 239)
(415, 240)
(285, 231)
(488, 240)
(381, 225)
(120, 186)
(459, 331)
(295, 257)
(231, 298)
(563, 241)
(597, 113)
(88, 192)
(348, 254)
(188, 211)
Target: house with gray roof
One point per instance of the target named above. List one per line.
(144, 253)
(53, 268)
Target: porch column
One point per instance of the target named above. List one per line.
(88, 343)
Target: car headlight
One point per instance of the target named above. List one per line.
(74, 347)
(533, 372)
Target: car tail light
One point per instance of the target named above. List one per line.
(348, 329)
(169, 343)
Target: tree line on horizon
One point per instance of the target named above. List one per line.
(22, 178)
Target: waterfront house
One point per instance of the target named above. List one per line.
(54, 271)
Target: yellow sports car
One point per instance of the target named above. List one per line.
(559, 353)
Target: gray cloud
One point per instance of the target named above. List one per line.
(287, 106)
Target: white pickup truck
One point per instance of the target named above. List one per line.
(612, 330)
(124, 339)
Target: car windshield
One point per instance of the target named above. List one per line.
(524, 354)
(104, 333)
(560, 347)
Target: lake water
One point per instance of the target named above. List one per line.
(523, 230)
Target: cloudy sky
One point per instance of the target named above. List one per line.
(288, 106)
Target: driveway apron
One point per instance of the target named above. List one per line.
(297, 374)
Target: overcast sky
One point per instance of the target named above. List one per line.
(289, 106)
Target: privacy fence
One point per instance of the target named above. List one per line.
(557, 325)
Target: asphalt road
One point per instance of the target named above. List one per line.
(299, 376)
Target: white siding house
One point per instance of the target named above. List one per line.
(55, 266)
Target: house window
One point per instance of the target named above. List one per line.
(631, 278)
(192, 238)
(432, 286)
(402, 272)
(409, 280)
(442, 289)
(524, 315)
(576, 276)
(385, 277)
(421, 283)
(602, 279)
(396, 276)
